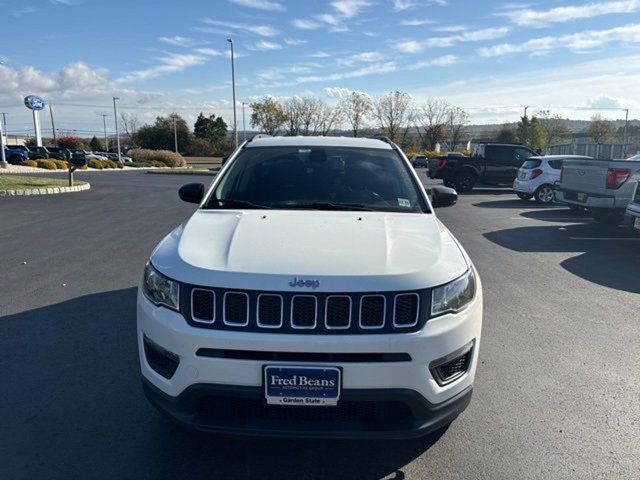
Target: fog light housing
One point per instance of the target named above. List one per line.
(161, 360)
(449, 368)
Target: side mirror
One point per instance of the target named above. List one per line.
(443, 196)
(192, 192)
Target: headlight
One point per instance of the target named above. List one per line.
(454, 295)
(160, 289)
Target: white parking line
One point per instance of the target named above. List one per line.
(605, 238)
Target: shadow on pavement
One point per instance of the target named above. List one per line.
(72, 407)
(514, 202)
(612, 263)
(557, 215)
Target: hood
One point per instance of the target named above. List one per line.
(334, 251)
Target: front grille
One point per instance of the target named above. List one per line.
(372, 311)
(162, 361)
(365, 415)
(305, 313)
(303, 356)
(453, 366)
(236, 309)
(405, 311)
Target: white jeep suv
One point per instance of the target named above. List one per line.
(312, 293)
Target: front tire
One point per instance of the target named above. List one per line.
(611, 218)
(465, 181)
(524, 196)
(544, 194)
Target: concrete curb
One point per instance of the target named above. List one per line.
(44, 191)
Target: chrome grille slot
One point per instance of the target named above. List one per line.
(338, 312)
(405, 310)
(372, 311)
(203, 305)
(270, 310)
(236, 309)
(304, 311)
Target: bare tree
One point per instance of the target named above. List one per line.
(292, 108)
(393, 112)
(130, 126)
(309, 108)
(327, 117)
(600, 130)
(430, 120)
(554, 128)
(456, 126)
(356, 108)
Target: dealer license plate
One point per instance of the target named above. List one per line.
(305, 386)
(582, 197)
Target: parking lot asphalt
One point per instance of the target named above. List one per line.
(556, 392)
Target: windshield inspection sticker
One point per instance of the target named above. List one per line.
(403, 202)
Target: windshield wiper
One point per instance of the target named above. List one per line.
(231, 203)
(324, 206)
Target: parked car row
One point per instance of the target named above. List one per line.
(17, 154)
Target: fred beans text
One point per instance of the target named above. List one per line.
(301, 381)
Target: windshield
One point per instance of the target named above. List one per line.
(324, 178)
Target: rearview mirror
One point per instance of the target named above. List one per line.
(443, 196)
(192, 192)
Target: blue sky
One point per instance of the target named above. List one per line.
(490, 57)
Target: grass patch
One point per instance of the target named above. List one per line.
(19, 182)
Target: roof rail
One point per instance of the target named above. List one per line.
(259, 135)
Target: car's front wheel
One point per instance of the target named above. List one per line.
(544, 194)
(524, 196)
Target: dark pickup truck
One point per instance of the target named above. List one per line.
(492, 164)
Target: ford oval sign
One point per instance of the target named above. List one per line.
(34, 102)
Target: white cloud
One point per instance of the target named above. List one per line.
(376, 68)
(416, 22)
(413, 46)
(540, 18)
(65, 2)
(260, 4)
(262, 30)
(171, 63)
(319, 54)
(436, 62)
(450, 28)
(400, 5)
(577, 42)
(177, 41)
(364, 57)
(23, 11)
(263, 45)
(211, 52)
(350, 8)
(294, 41)
(305, 24)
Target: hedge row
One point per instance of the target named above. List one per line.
(165, 157)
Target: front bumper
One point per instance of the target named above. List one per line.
(362, 413)
(382, 386)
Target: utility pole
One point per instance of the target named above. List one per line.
(104, 124)
(244, 128)
(233, 86)
(175, 133)
(115, 117)
(4, 122)
(53, 125)
(3, 159)
(624, 135)
(524, 125)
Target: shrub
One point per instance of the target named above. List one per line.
(95, 163)
(166, 157)
(109, 164)
(30, 163)
(61, 164)
(47, 164)
(71, 143)
(138, 164)
(157, 163)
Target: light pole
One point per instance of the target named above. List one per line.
(233, 86)
(175, 134)
(624, 136)
(244, 128)
(104, 124)
(53, 125)
(115, 117)
(3, 159)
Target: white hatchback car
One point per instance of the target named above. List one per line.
(538, 175)
(313, 293)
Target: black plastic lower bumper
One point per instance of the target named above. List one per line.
(371, 413)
